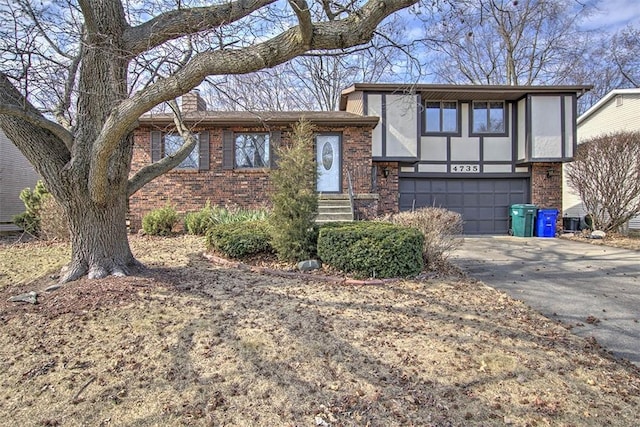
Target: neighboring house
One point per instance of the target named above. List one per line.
(16, 174)
(472, 149)
(619, 110)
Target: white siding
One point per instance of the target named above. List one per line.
(402, 125)
(16, 173)
(611, 118)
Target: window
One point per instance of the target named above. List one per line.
(172, 143)
(441, 117)
(251, 150)
(166, 144)
(488, 117)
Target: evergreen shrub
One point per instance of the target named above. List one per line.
(160, 222)
(239, 239)
(29, 220)
(371, 249)
(294, 197)
(198, 222)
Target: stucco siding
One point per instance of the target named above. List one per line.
(374, 108)
(16, 173)
(546, 127)
(401, 125)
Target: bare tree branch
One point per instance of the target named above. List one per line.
(178, 23)
(149, 172)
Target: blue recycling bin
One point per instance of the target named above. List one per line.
(546, 222)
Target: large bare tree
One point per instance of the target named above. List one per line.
(76, 77)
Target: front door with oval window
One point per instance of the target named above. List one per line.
(329, 163)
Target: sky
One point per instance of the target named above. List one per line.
(613, 15)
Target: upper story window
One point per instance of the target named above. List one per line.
(251, 150)
(441, 117)
(172, 143)
(488, 117)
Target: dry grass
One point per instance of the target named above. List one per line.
(192, 343)
(632, 241)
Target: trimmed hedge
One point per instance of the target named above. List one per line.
(239, 239)
(372, 249)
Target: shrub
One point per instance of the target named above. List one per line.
(441, 229)
(53, 221)
(198, 222)
(371, 249)
(160, 222)
(239, 239)
(605, 173)
(294, 198)
(29, 220)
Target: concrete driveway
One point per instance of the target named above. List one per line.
(595, 289)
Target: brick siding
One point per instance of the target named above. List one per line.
(546, 187)
(387, 187)
(189, 190)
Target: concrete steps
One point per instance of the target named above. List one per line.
(334, 208)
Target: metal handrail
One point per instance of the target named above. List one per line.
(351, 198)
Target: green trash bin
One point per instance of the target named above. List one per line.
(522, 220)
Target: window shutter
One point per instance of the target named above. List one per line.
(227, 149)
(156, 146)
(203, 158)
(275, 139)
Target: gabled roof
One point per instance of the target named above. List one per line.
(605, 100)
(263, 118)
(462, 92)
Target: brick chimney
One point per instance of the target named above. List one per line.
(192, 101)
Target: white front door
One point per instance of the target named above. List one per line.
(329, 163)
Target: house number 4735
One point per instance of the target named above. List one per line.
(465, 168)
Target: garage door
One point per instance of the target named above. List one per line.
(483, 203)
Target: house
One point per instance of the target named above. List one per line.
(16, 174)
(472, 149)
(619, 110)
(475, 150)
(231, 164)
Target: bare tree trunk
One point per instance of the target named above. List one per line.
(99, 244)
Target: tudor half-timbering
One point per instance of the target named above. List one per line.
(472, 149)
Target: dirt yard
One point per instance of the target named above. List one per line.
(196, 343)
